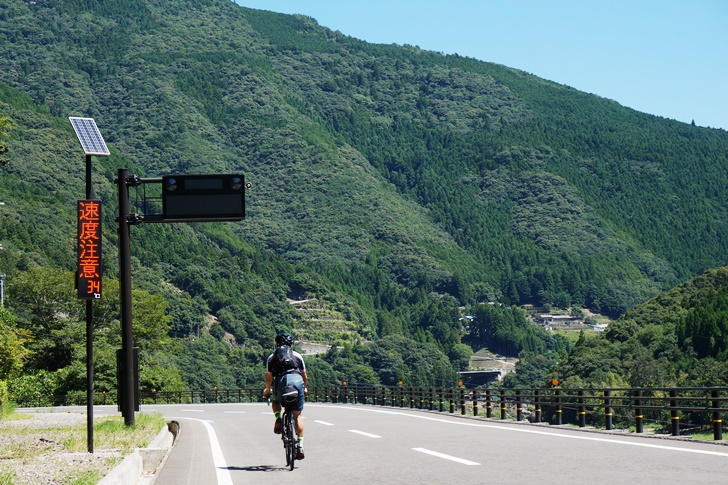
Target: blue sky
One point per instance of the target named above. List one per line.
(668, 57)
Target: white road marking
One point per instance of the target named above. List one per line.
(364, 434)
(192, 410)
(519, 429)
(234, 412)
(221, 468)
(324, 423)
(447, 457)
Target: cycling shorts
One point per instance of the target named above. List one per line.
(293, 379)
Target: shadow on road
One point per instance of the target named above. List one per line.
(257, 468)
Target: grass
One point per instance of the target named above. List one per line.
(113, 433)
(111, 437)
(6, 478)
(91, 477)
(7, 409)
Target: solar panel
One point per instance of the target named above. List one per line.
(89, 136)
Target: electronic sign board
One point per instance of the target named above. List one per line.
(89, 250)
(218, 197)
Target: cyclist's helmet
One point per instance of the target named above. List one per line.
(284, 339)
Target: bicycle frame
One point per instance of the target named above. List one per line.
(289, 436)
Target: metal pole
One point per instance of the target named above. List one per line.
(488, 404)
(717, 421)
(674, 414)
(607, 410)
(503, 403)
(557, 399)
(89, 341)
(127, 340)
(638, 416)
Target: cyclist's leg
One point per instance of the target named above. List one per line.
(298, 420)
(278, 425)
(297, 381)
(276, 405)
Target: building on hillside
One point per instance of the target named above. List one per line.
(558, 319)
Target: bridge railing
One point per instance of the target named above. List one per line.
(672, 408)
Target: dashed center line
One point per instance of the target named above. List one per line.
(364, 434)
(193, 410)
(324, 423)
(446, 457)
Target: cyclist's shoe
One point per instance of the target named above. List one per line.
(299, 452)
(278, 427)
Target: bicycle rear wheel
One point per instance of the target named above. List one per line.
(290, 440)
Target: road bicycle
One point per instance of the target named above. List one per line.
(290, 440)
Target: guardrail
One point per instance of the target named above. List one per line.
(702, 407)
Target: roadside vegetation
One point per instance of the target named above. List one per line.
(395, 189)
(52, 447)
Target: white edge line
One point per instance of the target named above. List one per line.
(364, 434)
(447, 457)
(221, 469)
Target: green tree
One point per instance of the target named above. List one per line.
(5, 127)
(48, 309)
(12, 346)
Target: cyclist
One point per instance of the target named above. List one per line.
(278, 376)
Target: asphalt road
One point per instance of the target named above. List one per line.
(234, 444)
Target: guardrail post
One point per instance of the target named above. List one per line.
(441, 392)
(674, 414)
(412, 397)
(519, 407)
(452, 400)
(475, 402)
(488, 404)
(607, 410)
(557, 402)
(462, 402)
(582, 409)
(638, 416)
(717, 421)
(537, 404)
(503, 403)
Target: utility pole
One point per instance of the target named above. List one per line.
(127, 340)
(89, 264)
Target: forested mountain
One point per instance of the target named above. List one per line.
(391, 184)
(678, 338)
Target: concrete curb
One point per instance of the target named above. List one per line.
(140, 467)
